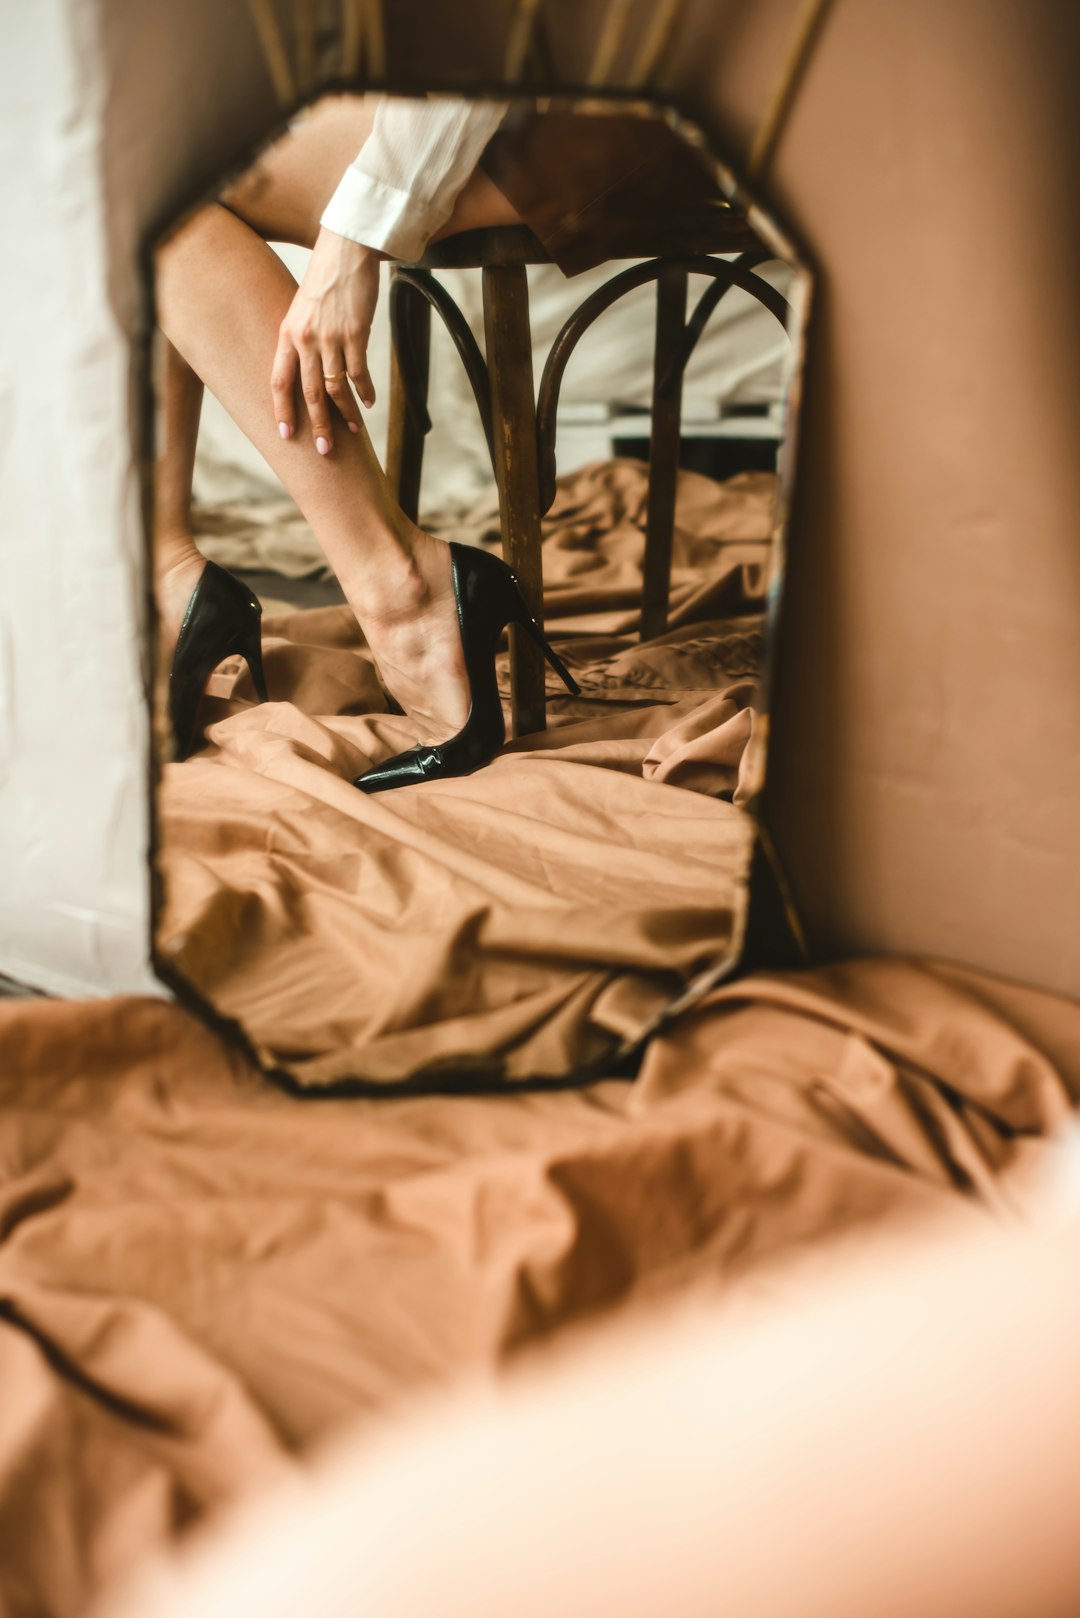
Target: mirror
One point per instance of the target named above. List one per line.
(577, 357)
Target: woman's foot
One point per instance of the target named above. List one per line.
(408, 613)
(409, 617)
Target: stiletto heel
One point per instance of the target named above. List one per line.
(251, 652)
(222, 620)
(533, 629)
(488, 598)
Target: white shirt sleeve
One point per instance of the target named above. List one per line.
(405, 181)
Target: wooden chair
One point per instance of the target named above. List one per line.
(520, 425)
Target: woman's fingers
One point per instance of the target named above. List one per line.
(313, 388)
(356, 360)
(282, 386)
(324, 338)
(336, 382)
(324, 382)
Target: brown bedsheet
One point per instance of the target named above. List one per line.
(525, 920)
(201, 1276)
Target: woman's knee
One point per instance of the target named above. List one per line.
(284, 193)
(262, 202)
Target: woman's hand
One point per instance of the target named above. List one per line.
(324, 336)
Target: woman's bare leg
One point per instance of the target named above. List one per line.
(222, 294)
(177, 561)
(395, 577)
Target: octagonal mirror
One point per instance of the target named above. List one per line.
(474, 447)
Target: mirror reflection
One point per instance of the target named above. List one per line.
(461, 570)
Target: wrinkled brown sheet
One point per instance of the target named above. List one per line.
(201, 1276)
(530, 918)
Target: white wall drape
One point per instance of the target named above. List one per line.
(74, 796)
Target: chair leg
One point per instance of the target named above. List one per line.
(410, 353)
(663, 452)
(513, 412)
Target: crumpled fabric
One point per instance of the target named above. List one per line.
(526, 920)
(202, 1276)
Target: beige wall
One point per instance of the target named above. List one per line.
(926, 773)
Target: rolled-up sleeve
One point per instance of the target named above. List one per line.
(410, 170)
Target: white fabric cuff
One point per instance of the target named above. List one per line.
(376, 215)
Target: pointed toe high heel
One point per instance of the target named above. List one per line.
(488, 598)
(222, 620)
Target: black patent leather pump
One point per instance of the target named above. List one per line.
(222, 620)
(488, 598)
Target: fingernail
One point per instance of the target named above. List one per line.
(323, 446)
(354, 426)
(284, 429)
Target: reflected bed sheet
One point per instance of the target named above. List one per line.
(525, 920)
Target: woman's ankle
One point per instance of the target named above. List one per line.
(401, 580)
(178, 567)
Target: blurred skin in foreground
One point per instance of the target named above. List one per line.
(899, 1436)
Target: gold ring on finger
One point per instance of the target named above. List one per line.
(337, 376)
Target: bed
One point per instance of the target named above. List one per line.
(202, 1276)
